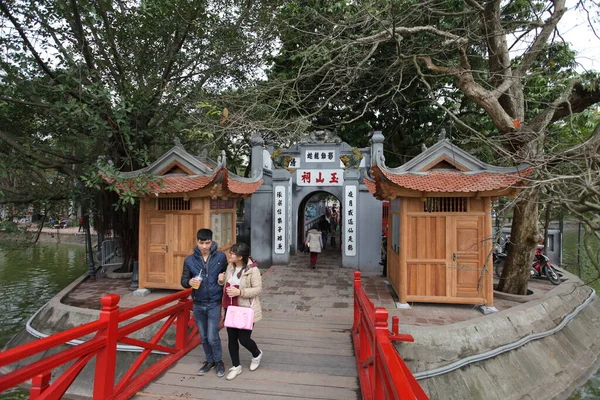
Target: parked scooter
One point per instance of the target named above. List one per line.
(499, 254)
(542, 267)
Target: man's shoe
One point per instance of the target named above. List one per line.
(220, 369)
(233, 372)
(207, 366)
(255, 362)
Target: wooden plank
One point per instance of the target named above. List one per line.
(307, 354)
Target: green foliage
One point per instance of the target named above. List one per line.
(116, 80)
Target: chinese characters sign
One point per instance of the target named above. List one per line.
(350, 221)
(319, 177)
(280, 219)
(320, 156)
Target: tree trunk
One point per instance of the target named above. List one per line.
(523, 238)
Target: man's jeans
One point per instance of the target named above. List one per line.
(324, 236)
(208, 317)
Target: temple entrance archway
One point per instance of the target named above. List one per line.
(312, 209)
(324, 165)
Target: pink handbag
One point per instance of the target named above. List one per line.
(239, 317)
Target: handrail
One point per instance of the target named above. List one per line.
(382, 372)
(107, 333)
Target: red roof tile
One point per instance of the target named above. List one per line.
(179, 184)
(454, 181)
(372, 186)
(186, 183)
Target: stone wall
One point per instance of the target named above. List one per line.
(547, 368)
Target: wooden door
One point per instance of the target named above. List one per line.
(157, 262)
(444, 258)
(427, 257)
(466, 256)
(183, 241)
(170, 239)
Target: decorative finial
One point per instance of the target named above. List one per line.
(377, 137)
(222, 160)
(256, 140)
(442, 134)
(423, 147)
(177, 142)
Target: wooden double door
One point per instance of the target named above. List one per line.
(169, 239)
(445, 258)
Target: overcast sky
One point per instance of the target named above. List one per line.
(575, 29)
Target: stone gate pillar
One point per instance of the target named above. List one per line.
(281, 218)
(261, 218)
(349, 215)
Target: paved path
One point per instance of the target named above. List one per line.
(304, 334)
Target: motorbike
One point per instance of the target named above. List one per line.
(499, 255)
(542, 267)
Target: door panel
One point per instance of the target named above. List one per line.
(157, 260)
(171, 238)
(427, 256)
(183, 241)
(468, 257)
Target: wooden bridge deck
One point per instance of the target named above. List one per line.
(305, 337)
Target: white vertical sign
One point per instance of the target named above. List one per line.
(289, 214)
(280, 219)
(350, 197)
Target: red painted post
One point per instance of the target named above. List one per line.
(381, 332)
(39, 384)
(356, 308)
(395, 321)
(182, 323)
(106, 359)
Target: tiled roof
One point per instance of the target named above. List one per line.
(455, 181)
(189, 183)
(243, 187)
(371, 185)
(180, 184)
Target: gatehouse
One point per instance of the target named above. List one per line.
(275, 214)
(439, 236)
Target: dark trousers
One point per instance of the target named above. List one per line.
(313, 257)
(243, 336)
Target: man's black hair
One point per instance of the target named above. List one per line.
(204, 234)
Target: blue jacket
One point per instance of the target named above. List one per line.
(210, 291)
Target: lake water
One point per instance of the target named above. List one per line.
(29, 278)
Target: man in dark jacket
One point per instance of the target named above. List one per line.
(202, 270)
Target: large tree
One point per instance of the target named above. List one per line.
(112, 79)
(498, 69)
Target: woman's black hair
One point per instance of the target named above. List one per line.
(241, 250)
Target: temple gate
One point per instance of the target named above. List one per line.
(322, 163)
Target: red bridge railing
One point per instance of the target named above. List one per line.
(107, 333)
(382, 372)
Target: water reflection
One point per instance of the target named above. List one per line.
(29, 278)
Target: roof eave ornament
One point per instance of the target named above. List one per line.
(222, 160)
(442, 135)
